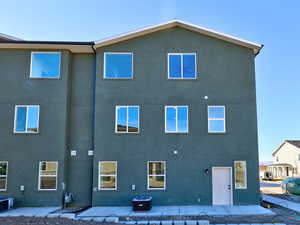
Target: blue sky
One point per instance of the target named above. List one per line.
(273, 23)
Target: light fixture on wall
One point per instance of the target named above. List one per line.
(206, 171)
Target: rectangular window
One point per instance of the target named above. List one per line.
(3, 175)
(176, 119)
(118, 65)
(240, 174)
(157, 175)
(216, 119)
(48, 176)
(107, 175)
(27, 119)
(127, 119)
(45, 65)
(182, 66)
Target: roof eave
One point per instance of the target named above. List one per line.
(75, 47)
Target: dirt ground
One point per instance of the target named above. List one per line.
(44, 221)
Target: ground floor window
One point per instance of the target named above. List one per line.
(3, 175)
(240, 174)
(156, 175)
(107, 175)
(48, 175)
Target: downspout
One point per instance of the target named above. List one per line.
(93, 117)
(261, 47)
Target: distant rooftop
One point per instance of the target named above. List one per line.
(9, 37)
(294, 142)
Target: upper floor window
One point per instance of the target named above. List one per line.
(107, 175)
(182, 65)
(216, 119)
(176, 119)
(157, 175)
(118, 65)
(127, 119)
(45, 65)
(27, 119)
(48, 175)
(3, 175)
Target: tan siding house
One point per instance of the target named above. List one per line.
(286, 160)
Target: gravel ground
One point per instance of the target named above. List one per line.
(283, 215)
(45, 221)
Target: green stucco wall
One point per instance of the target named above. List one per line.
(225, 74)
(77, 112)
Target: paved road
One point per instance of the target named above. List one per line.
(270, 187)
(269, 184)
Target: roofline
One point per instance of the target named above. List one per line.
(75, 47)
(88, 47)
(286, 141)
(49, 42)
(173, 23)
(9, 37)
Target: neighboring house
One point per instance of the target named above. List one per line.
(6, 37)
(167, 111)
(263, 168)
(286, 160)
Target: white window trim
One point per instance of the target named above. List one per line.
(59, 66)
(246, 178)
(176, 119)
(181, 59)
(116, 119)
(209, 119)
(26, 126)
(6, 176)
(164, 175)
(117, 78)
(113, 175)
(39, 184)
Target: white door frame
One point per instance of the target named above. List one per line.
(212, 186)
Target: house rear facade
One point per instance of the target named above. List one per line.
(168, 111)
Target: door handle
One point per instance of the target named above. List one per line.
(229, 187)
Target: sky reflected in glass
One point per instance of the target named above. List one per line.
(118, 65)
(45, 65)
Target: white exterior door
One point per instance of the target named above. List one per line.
(222, 185)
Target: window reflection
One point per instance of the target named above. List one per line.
(45, 64)
(118, 65)
(127, 119)
(27, 119)
(176, 119)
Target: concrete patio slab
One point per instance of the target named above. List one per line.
(106, 212)
(284, 203)
(30, 211)
(158, 211)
